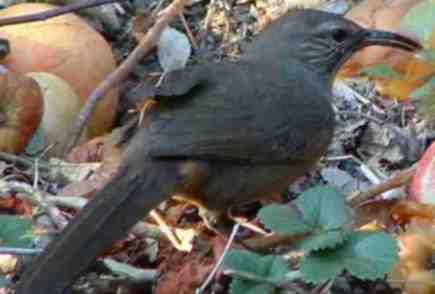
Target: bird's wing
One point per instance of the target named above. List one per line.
(242, 113)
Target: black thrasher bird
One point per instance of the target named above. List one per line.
(224, 133)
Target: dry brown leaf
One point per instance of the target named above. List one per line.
(413, 273)
(404, 211)
(414, 72)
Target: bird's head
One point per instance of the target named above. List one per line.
(321, 39)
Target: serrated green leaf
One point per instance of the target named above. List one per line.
(277, 267)
(244, 261)
(324, 240)
(420, 20)
(272, 267)
(239, 286)
(321, 211)
(381, 71)
(424, 91)
(366, 255)
(15, 232)
(283, 219)
(321, 265)
(324, 208)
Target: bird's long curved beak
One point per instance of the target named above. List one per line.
(382, 38)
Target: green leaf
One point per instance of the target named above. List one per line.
(272, 267)
(420, 20)
(322, 240)
(366, 255)
(321, 211)
(283, 219)
(381, 71)
(324, 207)
(239, 286)
(424, 91)
(15, 232)
(325, 210)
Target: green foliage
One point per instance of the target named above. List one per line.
(366, 255)
(329, 244)
(286, 220)
(420, 20)
(15, 232)
(321, 211)
(383, 71)
(270, 268)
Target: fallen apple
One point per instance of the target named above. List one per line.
(61, 107)
(422, 187)
(67, 47)
(21, 110)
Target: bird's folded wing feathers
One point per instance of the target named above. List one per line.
(232, 119)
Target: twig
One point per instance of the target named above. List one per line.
(35, 197)
(250, 226)
(398, 180)
(20, 251)
(137, 275)
(145, 45)
(73, 202)
(220, 261)
(285, 282)
(54, 12)
(360, 114)
(189, 32)
(173, 238)
(338, 158)
(251, 277)
(264, 243)
(341, 86)
(26, 162)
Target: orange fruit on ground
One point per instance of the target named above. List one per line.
(67, 47)
(21, 111)
(61, 107)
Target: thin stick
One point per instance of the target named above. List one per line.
(111, 81)
(189, 32)
(54, 12)
(172, 237)
(35, 196)
(220, 261)
(20, 251)
(397, 181)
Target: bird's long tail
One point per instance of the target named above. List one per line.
(130, 195)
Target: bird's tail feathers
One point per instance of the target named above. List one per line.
(108, 217)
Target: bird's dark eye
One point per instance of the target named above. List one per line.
(339, 35)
